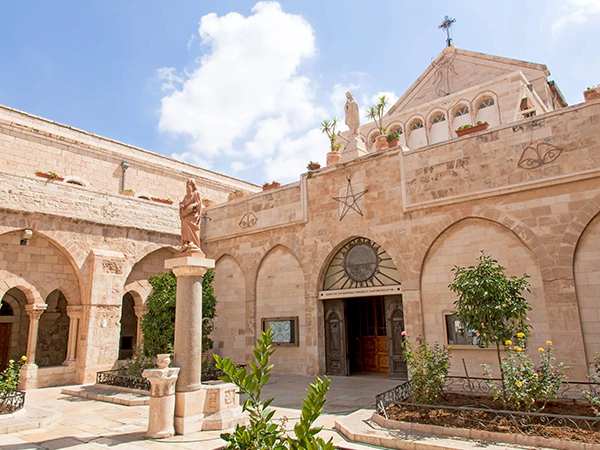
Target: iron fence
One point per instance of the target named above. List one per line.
(114, 378)
(529, 423)
(11, 402)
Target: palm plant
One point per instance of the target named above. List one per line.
(328, 127)
(375, 112)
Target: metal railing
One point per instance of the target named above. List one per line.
(114, 378)
(529, 423)
(10, 403)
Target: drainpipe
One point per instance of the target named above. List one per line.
(124, 166)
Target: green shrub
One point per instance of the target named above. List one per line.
(428, 367)
(592, 395)
(525, 386)
(10, 376)
(262, 433)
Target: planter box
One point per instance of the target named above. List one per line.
(591, 94)
(49, 177)
(237, 195)
(162, 200)
(129, 193)
(206, 202)
(474, 129)
(271, 186)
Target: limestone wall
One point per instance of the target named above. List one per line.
(426, 208)
(29, 144)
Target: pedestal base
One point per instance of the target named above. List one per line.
(29, 376)
(160, 417)
(356, 147)
(189, 411)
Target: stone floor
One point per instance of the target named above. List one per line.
(90, 424)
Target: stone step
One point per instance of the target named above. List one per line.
(110, 394)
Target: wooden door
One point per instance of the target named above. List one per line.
(336, 354)
(5, 329)
(374, 339)
(395, 325)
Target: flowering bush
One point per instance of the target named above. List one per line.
(592, 395)
(137, 364)
(9, 378)
(525, 386)
(428, 367)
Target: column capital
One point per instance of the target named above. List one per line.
(189, 266)
(35, 311)
(74, 312)
(140, 310)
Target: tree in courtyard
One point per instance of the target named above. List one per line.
(158, 324)
(490, 303)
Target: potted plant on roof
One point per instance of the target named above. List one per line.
(206, 202)
(328, 127)
(375, 113)
(237, 193)
(592, 93)
(128, 192)
(272, 185)
(313, 166)
(392, 139)
(468, 128)
(52, 176)
(166, 201)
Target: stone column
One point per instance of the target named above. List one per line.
(139, 310)
(74, 313)
(29, 374)
(162, 401)
(189, 397)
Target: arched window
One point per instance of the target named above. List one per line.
(487, 102)
(417, 137)
(461, 111)
(439, 118)
(438, 130)
(487, 111)
(75, 182)
(462, 116)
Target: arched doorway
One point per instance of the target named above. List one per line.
(364, 319)
(129, 326)
(14, 326)
(53, 332)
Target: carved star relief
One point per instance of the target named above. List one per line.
(350, 200)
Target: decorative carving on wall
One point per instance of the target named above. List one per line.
(534, 157)
(248, 220)
(443, 69)
(349, 200)
(109, 210)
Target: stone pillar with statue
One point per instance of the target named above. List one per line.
(356, 144)
(191, 396)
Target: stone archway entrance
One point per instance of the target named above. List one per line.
(364, 316)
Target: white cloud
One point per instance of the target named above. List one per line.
(245, 106)
(247, 77)
(573, 12)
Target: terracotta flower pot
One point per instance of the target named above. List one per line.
(475, 129)
(314, 166)
(380, 143)
(333, 158)
(271, 186)
(393, 142)
(48, 176)
(236, 195)
(591, 94)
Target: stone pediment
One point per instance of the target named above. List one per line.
(456, 70)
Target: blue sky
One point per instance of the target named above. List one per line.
(241, 87)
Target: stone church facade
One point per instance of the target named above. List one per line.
(338, 263)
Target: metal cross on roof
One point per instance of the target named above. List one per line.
(446, 24)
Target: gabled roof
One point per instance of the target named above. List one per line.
(490, 66)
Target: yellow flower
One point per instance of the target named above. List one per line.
(23, 358)
(548, 342)
(515, 348)
(535, 375)
(508, 342)
(518, 383)
(449, 347)
(541, 350)
(518, 349)
(11, 361)
(520, 335)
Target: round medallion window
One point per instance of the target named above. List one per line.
(360, 263)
